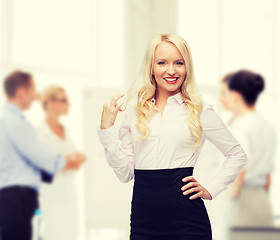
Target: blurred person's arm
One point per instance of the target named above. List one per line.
(273, 145)
(24, 138)
(237, 185)
(268, 182)
(78, 157)
(74, 161)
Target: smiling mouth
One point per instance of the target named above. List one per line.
(171, 80)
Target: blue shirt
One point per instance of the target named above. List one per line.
(22, 156)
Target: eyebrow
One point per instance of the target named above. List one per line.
(165, 59)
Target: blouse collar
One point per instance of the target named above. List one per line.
(177, 97)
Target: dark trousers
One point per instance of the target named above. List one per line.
(17, 206)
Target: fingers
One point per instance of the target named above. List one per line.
(189, 178)
(189, 185)
(81, 160)
(110, 111)
(78, 160)
(119, 106)
(192, 186)
(196, 189)
(196, 195)
(81, 156)
(114, 105)
(78, 163)
(115, 99)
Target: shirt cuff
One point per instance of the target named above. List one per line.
(214, 189)
(107, 136)
(60, 163)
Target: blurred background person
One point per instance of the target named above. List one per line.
(23, 160)
(59, 201)
(249, 203)
(225, 97)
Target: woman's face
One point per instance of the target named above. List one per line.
(169, 68)
(225, 97)
(59, 105)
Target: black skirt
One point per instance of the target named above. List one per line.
(159, 210)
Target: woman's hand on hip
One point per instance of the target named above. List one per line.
(110, 111)
(194, 186)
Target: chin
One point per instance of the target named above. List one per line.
(173, 89)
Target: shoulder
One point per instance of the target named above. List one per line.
(10, 117)
(14, 122)
(207, 110)
(209, 118)
(206, 106)
(240, 125)
(269, 128)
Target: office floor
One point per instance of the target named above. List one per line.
(123, 234)
(109, 234)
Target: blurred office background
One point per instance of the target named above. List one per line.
(94, 49)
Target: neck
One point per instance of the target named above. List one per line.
(243, 110)
(162, 96)
(52, 119)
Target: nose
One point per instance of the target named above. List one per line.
(171, 70)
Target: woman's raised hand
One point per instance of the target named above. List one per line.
(110, 111)
(193, 186)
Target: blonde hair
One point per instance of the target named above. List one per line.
(48, 94)
(145, 88)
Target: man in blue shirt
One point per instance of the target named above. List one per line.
(24, 162)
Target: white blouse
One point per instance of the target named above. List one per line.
(171, 144)
(258, 139)
(64, 183)
(59, 200)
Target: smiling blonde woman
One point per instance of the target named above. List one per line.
(160, 141)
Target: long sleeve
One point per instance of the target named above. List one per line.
(217, 133)
(24, 138)
(118, 149)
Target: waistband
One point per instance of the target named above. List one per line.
(161, 176)
(22, 189)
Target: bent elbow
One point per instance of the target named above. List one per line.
(245, 158)
(126, 178)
